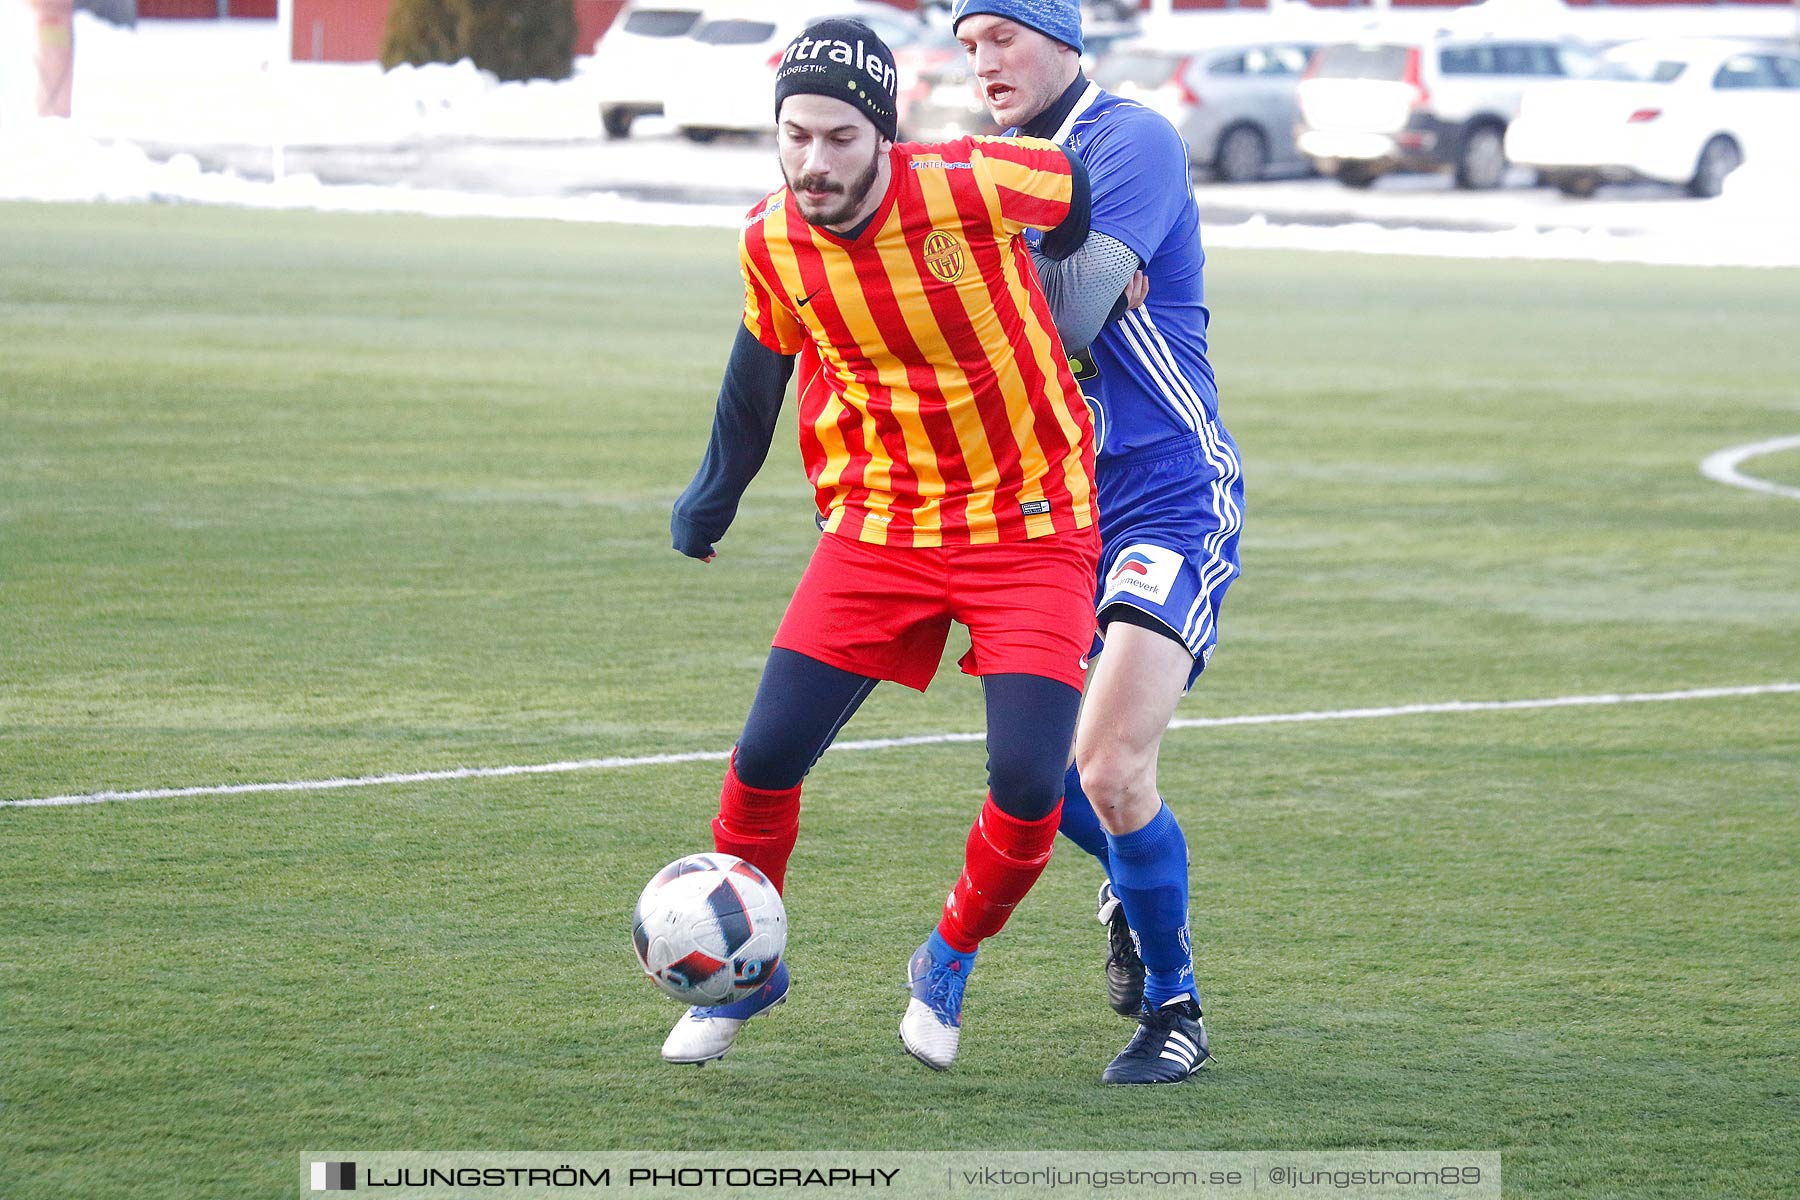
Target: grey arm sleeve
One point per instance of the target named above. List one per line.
(1086, 287)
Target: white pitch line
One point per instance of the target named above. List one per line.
(927, 739)
(1723, 466)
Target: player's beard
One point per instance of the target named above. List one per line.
(853, 194)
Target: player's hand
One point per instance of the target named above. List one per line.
(1137, 290)
(690, 541)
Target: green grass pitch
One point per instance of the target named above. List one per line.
(287, 497)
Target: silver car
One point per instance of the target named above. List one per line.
(1234, 104)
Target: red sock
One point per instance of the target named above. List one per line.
(1004, 858)
(758, 826)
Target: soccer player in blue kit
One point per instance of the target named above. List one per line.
(1170, 490)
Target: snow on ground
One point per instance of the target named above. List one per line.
(155, 102)
(229, 82)
(55, 163)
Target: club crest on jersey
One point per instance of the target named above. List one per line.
(1144, 570)
(943, 254)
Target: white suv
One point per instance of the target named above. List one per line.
(1371, 108)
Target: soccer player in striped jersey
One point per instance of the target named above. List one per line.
(1170, 490)
(952, 458)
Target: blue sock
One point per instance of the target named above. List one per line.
(1080, 823)
(943, 952)
(1150, 877)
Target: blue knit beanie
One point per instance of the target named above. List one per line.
(1058, 19)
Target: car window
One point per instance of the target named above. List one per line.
(1578, 61)
(1231, 64)
(1466, 60)
(1360, 62)
(1516, 60)
(1144, 68)
(1637, 68)
(1746, 71)
(1547, 60)
(1289, 60)
(733, 32)
(662, 22)
(1788, 71)
(1274, 60)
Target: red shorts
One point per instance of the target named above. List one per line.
(885, 611)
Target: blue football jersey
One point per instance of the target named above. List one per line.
(1146, 375)
(1170, 483)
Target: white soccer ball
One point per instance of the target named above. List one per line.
(709, 929)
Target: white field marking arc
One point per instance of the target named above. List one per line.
(928, 739)
(1723, 466)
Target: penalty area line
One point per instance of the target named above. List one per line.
(1447, 707)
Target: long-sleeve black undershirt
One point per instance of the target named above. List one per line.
(756, 380)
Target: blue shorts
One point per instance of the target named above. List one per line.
(1170, 515)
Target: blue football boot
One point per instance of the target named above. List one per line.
(932, 1026)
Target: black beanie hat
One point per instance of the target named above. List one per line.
(845, 60)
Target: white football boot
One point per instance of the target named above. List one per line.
(932, 1027)
(703, 1035)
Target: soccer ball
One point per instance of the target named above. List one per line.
(709, 929)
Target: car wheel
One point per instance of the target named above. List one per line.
(1719, 158)
(617, 122)
(695, 133)
(1482, 165)
(1357, 175)
(1580, 186)
(1243, 155)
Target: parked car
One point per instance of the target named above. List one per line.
(727, 81)
(938, 97)
(938, 100)
(1234, 104)
(1681, 111)
(638, 60)
(1367, 109)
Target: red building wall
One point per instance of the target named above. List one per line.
(338, 30)
(594, 18)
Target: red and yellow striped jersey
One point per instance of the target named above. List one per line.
(936, 402)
